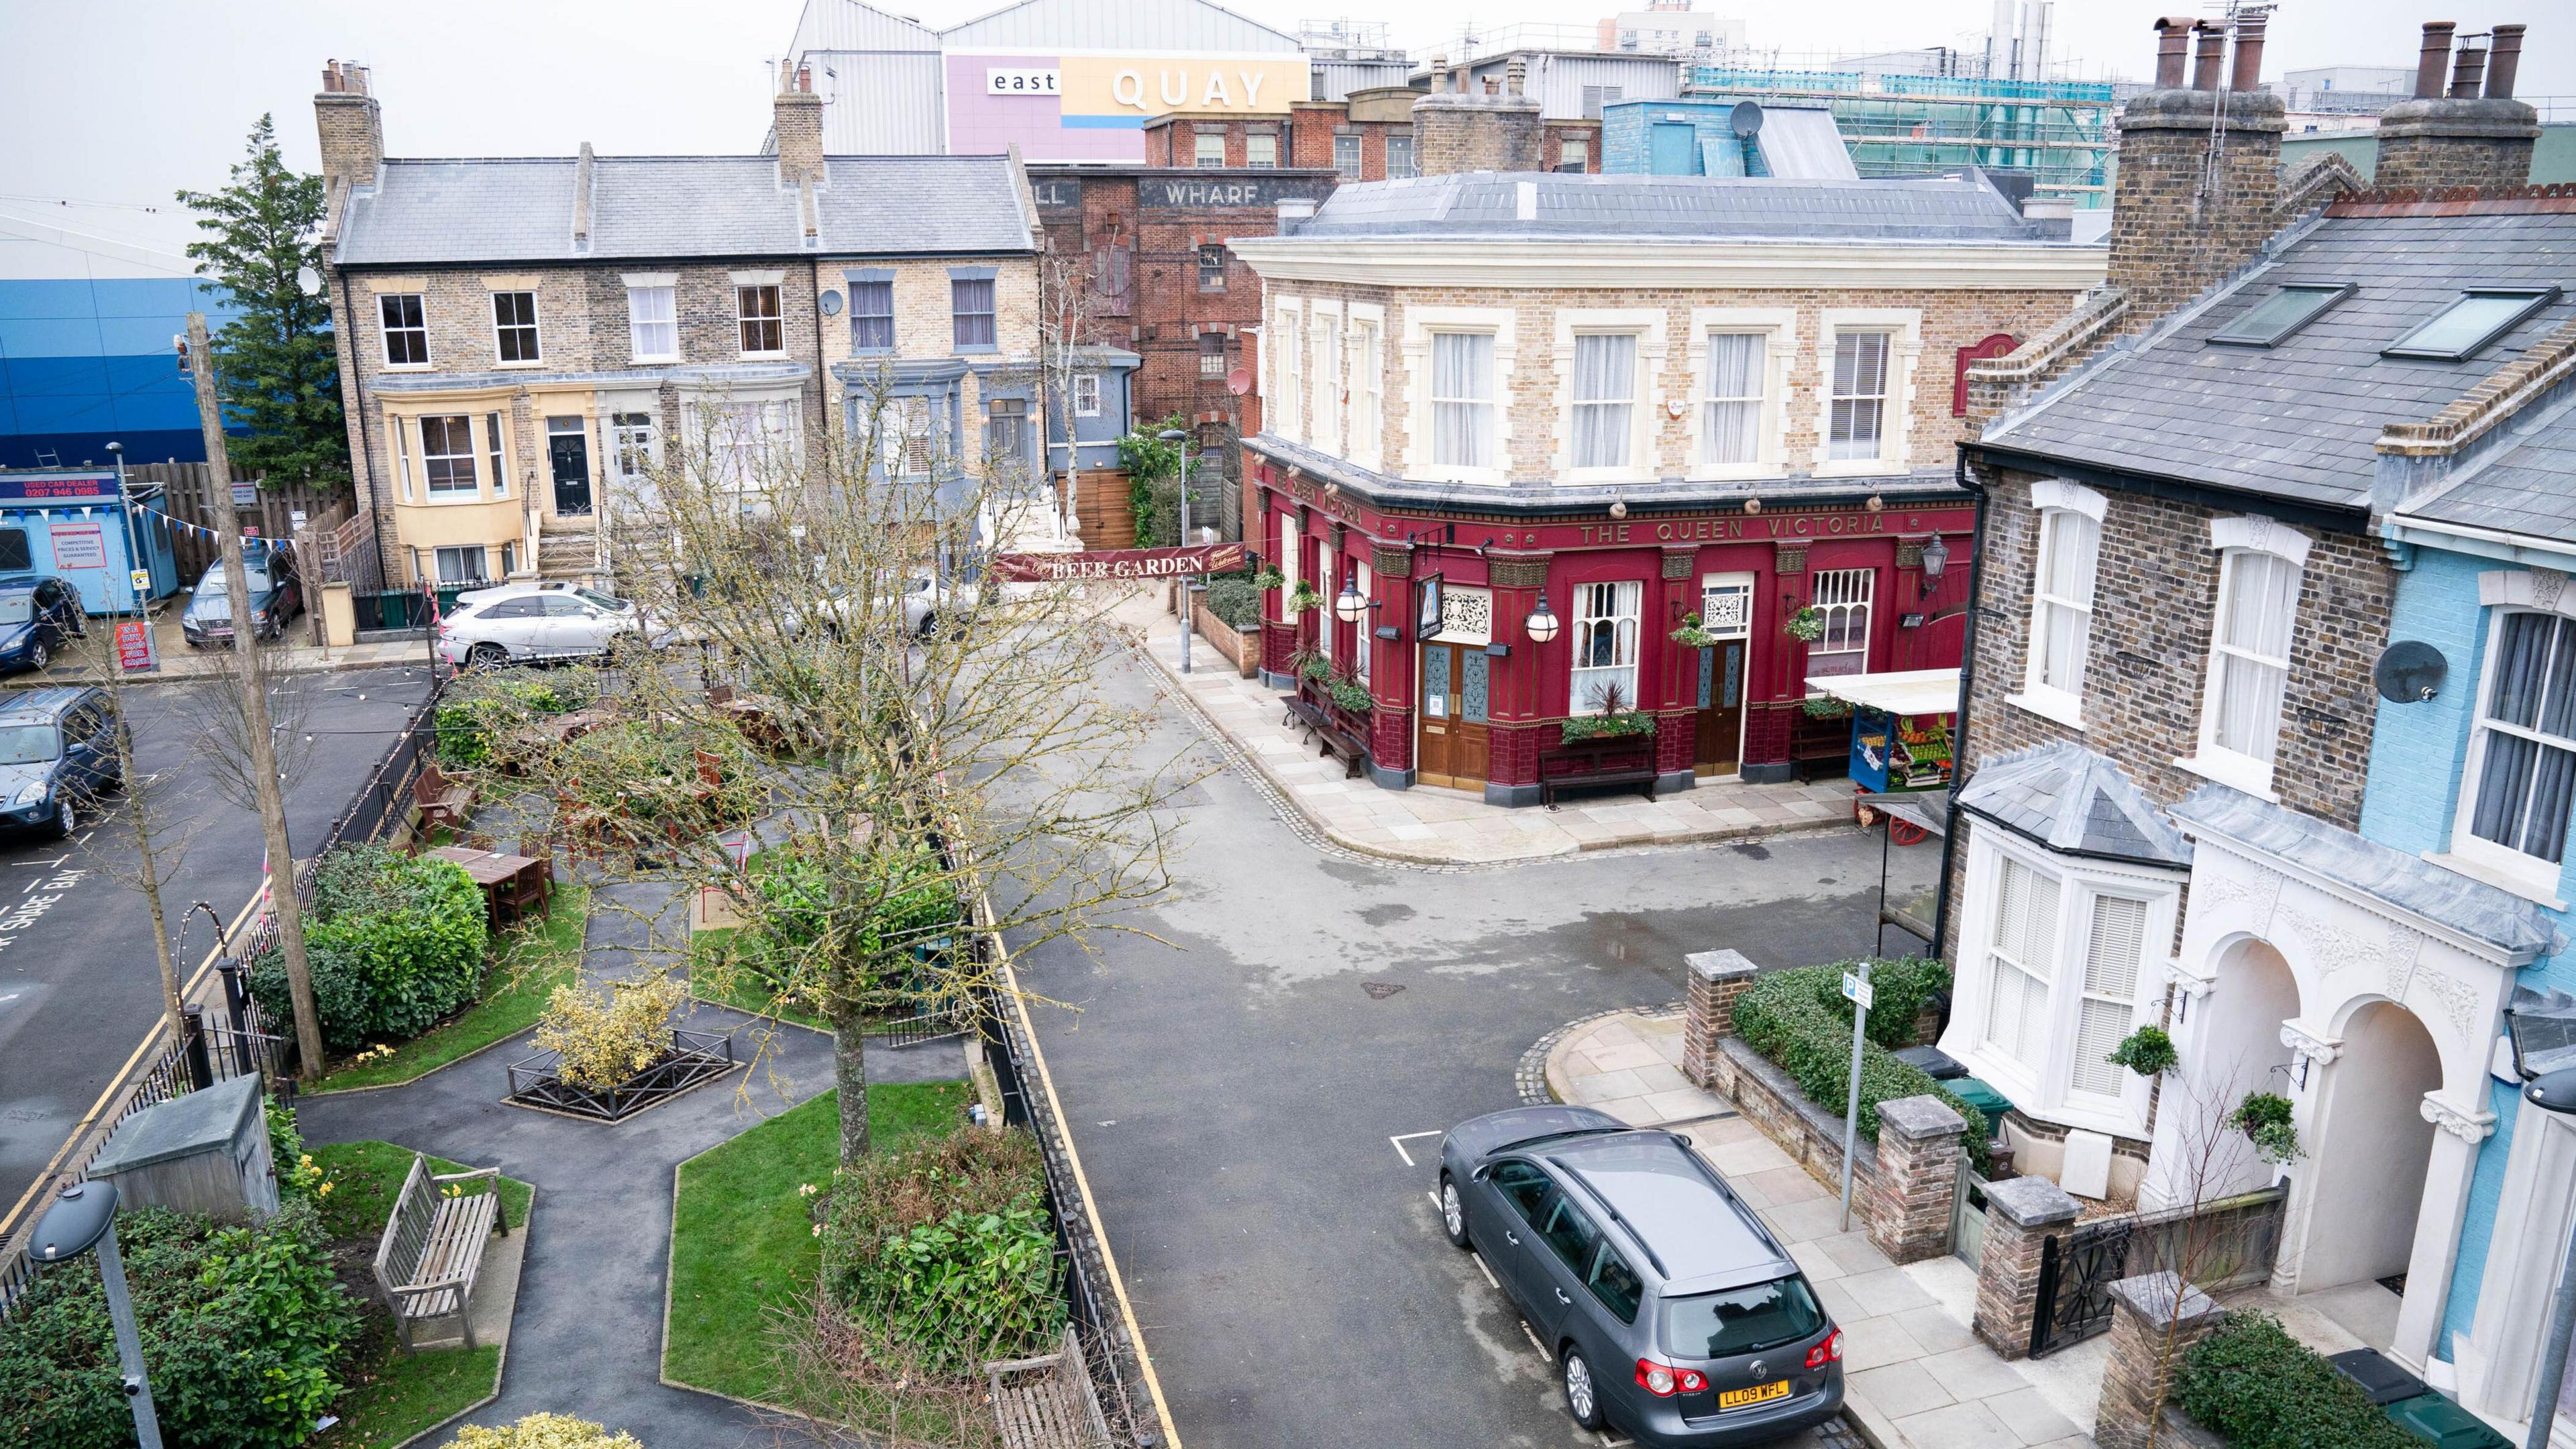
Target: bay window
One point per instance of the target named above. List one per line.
(1462, 400)
(447, 456)
(1605, 647)
(1605, 399)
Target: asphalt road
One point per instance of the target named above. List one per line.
(1245, 1098)
(79, 985)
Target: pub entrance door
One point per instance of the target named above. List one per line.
(1726, 611)
(1453, 747)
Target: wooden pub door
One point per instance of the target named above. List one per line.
(1726, 610)
(1452, 748)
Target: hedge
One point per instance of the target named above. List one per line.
(2262, 1389)
(1235, 598)
(394, 943)
(1799, 1021)
(485, 707)
(244, 1334)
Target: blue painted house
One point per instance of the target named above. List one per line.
(2479, 778)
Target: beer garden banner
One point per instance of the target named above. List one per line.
(1119, 563)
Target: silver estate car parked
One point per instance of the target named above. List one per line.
(1671, 1310)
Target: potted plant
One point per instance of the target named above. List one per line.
(1807, 625)
(2265, 1117)
(1825, 706)
(1307, 664)
(1269, 577)
(2147, 1051)
(1691, 636)
(1349, 695)
(1303, 597)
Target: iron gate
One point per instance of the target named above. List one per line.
(2076, 1271)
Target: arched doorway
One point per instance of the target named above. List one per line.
(2240, 1052)
(2364, 1173)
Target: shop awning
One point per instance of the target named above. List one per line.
(1905, 691)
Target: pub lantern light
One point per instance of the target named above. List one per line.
(1348, 606)
(1542, 623)
(1936, 561)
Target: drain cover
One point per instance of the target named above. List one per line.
(1380, 990)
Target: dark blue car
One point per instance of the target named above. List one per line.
(37, 613)
(58, 752)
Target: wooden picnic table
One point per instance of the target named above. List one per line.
(496, 873)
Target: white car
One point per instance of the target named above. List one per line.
(924, 600)
(519, 623)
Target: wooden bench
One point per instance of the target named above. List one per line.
(433, 1246)
(1304, 714)
(442, 801)
(1612, 762)
(1048, 1402)
(1344, 746)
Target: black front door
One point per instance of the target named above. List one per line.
(568, 447)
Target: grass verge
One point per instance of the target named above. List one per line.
(742, 1243)
(536, 960)
(396, 1395)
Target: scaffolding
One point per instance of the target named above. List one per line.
(1909, 125)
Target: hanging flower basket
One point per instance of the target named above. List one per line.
(1807, 625)
(1304, 597)
(1268, 578)
(1691, 636)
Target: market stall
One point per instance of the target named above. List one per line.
(1900, 726)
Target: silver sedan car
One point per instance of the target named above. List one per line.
(521, 623)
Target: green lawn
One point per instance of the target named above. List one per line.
(535, 960)
(399, 1394)
(742, 1242)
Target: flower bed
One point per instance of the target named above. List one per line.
(688, 1060)
(1798, 1021)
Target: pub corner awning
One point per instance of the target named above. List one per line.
(1905, 691)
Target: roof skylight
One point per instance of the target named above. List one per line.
(2284, 312)
(2463, 329)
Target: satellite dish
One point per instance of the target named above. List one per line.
(831, 303)
(1239, 381)
(2409, 671)
(309, 280)
(1745, 120)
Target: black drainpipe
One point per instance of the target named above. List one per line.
(1959, 721)
(366, 470)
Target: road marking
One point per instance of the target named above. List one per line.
(1487, 1271)
(31, 886)
(1399, 1142)
(1532, 1335)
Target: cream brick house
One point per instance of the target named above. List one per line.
(523, 340)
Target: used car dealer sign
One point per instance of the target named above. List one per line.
(1119, 563)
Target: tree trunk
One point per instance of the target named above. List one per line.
(850, 1075)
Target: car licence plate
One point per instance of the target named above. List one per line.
(1758, 1394)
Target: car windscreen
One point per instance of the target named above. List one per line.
(212, 585)
(1741, 1320)
(610, 603)
(28, 743)
(17, 608)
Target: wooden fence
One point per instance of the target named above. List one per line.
(189, 495)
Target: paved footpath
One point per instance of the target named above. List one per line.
(587, 1338)
(1427, 823)
(1917, 1379)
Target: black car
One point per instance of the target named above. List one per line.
(1671, 1310)
(58, 752)
(37, 613)
(276, 595)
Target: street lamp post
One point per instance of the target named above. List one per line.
(2543, 1029)
(84, 1217)
(1175, 435)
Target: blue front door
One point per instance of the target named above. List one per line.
(1675, 151)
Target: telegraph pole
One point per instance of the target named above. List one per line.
(282, 900)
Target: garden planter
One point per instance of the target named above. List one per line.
(693, 1059)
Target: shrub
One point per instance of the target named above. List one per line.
(394, 944)
(243, 1333)
(794, 918)
(298, 1179)
(641, 772)
(477, 713)
(544, 1431)
(601, 1035)
(1799, 1021)
(2263, 1389)
(946, 1248)
(2147, 1051)
(1235, 598)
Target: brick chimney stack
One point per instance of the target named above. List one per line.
(2475, 134)
(799, 126)
(352, 127)
(2199, 169)
(1495, 129)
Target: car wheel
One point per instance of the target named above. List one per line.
(1582, 1390)
(1453, 1213)
(929, 626)
(487, 656)
(66, 818)
(38, 656)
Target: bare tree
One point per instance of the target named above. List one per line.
(1064, 322)
(932, 749)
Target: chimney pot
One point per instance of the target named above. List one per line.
(2212, 48)
(2171, 46)
(805, 79)
(2503, 61)
(2469, 73)
(2248, 74)
(2434, 60)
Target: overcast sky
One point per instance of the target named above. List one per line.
(126, 101)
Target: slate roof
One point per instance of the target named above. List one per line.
(2473, 908)
(2075, 802)
(1485, 204)
(2297, 421)
(668, 207)
(2527, 486)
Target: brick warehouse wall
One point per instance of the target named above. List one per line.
(1950, 320)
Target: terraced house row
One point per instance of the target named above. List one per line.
(524, 340)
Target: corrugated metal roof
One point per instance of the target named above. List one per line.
(1128, 25)
(680, 206)
(849, 25)
(2298, 420)
(1484, 204)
